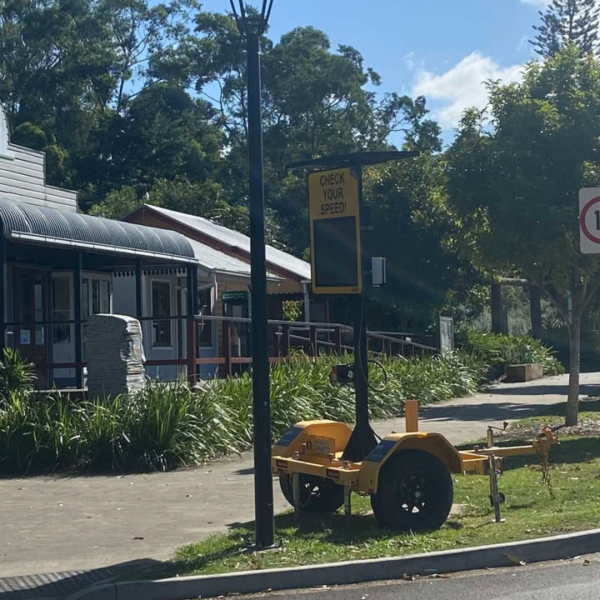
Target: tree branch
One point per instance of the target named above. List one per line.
(589, 294)
(557, 304)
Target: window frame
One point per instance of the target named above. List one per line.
(57, 325)
(162, 345)
(206, 326)
(88, 299)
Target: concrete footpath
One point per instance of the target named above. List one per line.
(66, 523)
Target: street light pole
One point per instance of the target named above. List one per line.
(253, 26)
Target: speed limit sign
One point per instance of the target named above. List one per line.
(589, 220)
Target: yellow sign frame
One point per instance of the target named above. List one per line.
(335, 194)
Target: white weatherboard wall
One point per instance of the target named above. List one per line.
(23, 175)
(124, 304)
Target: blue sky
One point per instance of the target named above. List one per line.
(443, 49)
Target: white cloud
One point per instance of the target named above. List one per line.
(409, 59)
(461, 87)
(523, 43)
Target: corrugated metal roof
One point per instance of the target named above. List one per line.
(234, 239)
(212, 260)
(64, 228)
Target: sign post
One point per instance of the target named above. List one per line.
(252, 25)
(589, 220)
(339, 264)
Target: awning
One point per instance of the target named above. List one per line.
(49, 226)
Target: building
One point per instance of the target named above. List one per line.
(164, 298)
(293, 273)
(58, 266)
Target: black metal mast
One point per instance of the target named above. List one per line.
(252, 25)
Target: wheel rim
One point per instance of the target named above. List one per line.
(309, 489)
(413, 494)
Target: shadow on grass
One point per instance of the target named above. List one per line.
(522, 506)
(328, 528)
(585, 389)
(558, 410)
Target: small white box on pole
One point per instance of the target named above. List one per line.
(378, 271)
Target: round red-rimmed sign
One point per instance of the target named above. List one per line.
(582, 220)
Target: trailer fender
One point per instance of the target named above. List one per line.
(434, 443)
(332, 434)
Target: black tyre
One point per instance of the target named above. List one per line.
(316, 494)
(415, 492)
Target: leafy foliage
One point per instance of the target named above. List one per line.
(415, 229)
(17, 375)
(135, 101)
(512, 185)
(163, 426)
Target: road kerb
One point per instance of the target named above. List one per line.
(343, 573)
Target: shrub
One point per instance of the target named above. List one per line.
(165, 426)
(300, 389)
(16, 374)
(497, 351)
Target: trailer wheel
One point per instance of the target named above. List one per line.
(316, 494)
(415, 492)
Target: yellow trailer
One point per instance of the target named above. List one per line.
(408, 475)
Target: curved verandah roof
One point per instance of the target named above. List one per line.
(58, 228)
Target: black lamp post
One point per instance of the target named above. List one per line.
(252, 25)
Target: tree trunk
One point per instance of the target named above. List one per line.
(572, 411)
(535, 307)
(496, 308)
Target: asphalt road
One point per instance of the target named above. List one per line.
(577, 579)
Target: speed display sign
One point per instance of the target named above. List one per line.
(589, 220)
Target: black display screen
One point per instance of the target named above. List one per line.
(335, 252)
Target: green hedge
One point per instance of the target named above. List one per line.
(166, 426)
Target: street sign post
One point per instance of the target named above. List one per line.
(334, 206)
(252, 25)
(589, 220)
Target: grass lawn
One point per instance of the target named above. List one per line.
(530, 512)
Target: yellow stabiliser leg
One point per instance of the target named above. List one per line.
(296, 492)
(348, 504)
(411, 416)
(495, 493)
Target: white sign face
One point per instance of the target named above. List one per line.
(589, 220)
